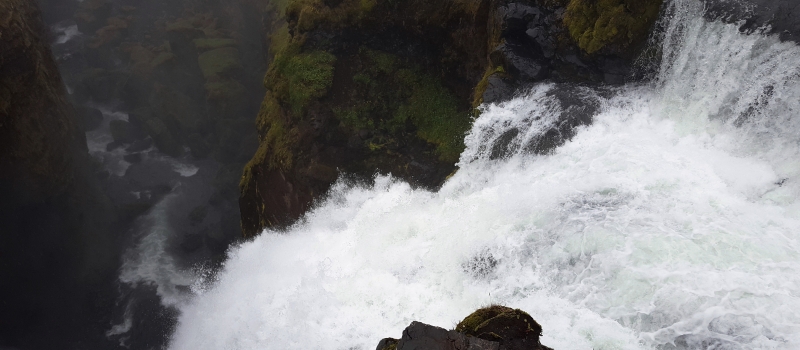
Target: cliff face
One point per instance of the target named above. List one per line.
(365, 86)
(54, 242)
(37, 125)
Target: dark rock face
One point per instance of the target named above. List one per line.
(420, 336)
(57, 255)
(514, 329)
(388, 87)
(782, 16)
(491, 328)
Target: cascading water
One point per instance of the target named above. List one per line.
(670, 223)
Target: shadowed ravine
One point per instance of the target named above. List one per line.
(324, 174)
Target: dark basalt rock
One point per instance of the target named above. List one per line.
(514, 329)
(497, 89)
(445, 57)
(89, 118)
(782, 16)
(491, 328)
(58, 260)
(420, 336)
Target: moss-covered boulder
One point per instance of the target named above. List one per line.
(492, 328)
(610, 24)
(218, 62)
(514, 329)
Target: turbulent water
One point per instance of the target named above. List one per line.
(671, 222)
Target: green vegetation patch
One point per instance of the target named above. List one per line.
(213, 43)
(388, 95)
(595, 24)
(217, 62)
(475, 319)
(299, 77)
(434, 111)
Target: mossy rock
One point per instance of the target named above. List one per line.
(434, 111)
(218, 62)
(475, 319)
(213, 43)
(162, 137)
(226, 90)
(299, 77)
(177, 109)
(387, 344)
(513, 328)
(389, 93)
(597, 24)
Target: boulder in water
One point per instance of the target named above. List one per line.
(494, 327)
(514, 329)
(420, 336)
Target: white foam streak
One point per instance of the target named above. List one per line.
(150, 262)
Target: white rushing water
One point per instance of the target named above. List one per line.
(671, 222)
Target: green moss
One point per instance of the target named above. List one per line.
(475, 319)
(277, 139)
(310, 14)
(279, 40)
(217, 62)
(392, 346)
(213, 43)
(299, 77)
(434, 111)
(595, 24)
(224, 90)
(356, 117)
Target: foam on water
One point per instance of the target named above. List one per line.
(149, 261)
(672, 222)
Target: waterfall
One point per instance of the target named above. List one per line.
(671, 222)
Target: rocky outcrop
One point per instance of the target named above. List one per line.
(359, 86)
(781, 17)
(491, 328)
(56, 252)
(37, 124)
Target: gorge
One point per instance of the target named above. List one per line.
(623, 171)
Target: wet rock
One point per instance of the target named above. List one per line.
(495, 327)
(420, 336)
(124, 132)
(513, 329)
(158, 131)
(140, 145)
(781, 16)
(497, 89)
(579, 110)
(133, 158)
(519, 60)
(90, 118)
(387, 344)
(516, 16)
